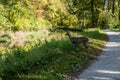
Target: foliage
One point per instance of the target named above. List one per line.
(53, 59)
(5, 39)
(4, 23)
(40, 14)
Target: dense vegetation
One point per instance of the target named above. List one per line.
(55, 59)
(39, 14)
(33, 45)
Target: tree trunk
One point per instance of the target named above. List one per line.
(119, 9)
(92, 11)
(106, 2)
(113, 7)
(83, 20)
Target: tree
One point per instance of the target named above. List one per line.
(104, 22)
(113, 6)
(119, 10)
(106, 2)
(92, 12)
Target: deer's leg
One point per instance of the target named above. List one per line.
(74, 45)
(85, 44)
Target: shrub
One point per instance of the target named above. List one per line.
(5, 39)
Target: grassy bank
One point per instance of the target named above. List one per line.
(116, 30)
(54, 59)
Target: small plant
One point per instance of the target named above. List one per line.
(5, 39)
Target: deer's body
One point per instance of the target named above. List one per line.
(78, 40)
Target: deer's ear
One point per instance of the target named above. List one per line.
(67, 31)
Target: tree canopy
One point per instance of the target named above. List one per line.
(39, 14)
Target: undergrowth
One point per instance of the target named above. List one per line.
(51, 60)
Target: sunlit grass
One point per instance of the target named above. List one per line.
(53, 59)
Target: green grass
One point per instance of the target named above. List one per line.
(52, 60)
(117, 30)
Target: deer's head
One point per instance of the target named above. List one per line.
(67, 33)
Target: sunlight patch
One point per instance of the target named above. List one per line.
(102, 78)
(108, 72)
(112, 33)
(113, 44)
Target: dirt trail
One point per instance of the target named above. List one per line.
(107, 67)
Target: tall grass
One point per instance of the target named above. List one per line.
(22, 58)
(54, 59)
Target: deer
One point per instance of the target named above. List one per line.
(78, 40)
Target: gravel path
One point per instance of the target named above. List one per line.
(107, 67)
